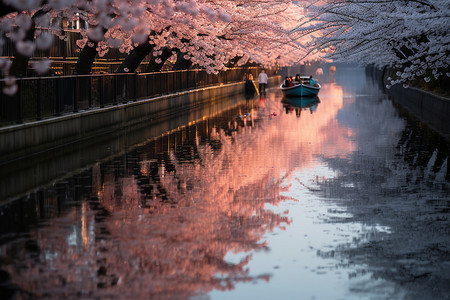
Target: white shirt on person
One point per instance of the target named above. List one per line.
(262, 78)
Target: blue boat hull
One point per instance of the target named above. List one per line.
(300, 90)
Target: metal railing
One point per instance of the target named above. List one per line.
(40, 98)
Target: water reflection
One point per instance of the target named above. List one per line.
(395, 183)
(154, 222)
(254, 194)
(299, 104)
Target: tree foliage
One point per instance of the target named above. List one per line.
(410, 36)
(209, 33)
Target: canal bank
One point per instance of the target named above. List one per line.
(22, 176)
(429, 108)
(24, 140)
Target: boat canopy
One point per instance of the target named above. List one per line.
(304, 79)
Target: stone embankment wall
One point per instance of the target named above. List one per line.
(30, 138)
(429, 108)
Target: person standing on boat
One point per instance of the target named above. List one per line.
(312, 81)
(262, 79)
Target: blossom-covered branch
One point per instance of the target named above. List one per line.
(410, 36)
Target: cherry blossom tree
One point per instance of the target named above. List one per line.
(410, 36)
(204, 33)
(211, 33)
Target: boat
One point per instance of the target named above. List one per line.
(301, 88)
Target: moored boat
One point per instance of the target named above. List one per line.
(301, 88)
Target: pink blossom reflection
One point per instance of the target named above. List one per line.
(160, 227)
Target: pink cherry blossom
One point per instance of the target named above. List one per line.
(26, 48)
(23, 4)
(42, 66)
(411, 37)
(95, 34)
(44, 41)
(10, 87)
(5, 65)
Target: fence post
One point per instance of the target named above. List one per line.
(195, 79)
(135, 87)
(19, 116)
(100, 85)
(76, 96)
(125, 95)
(38, 100)
(114, 89)
(58, 96)
(90, 92)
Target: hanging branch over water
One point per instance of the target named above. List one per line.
(411, 36)
(216, 31)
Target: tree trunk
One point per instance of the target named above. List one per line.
(153, 66)
(182, 63)
(232, 63)
(86, 59)
(135, 57)
(20, 62)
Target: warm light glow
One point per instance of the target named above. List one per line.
(168, 224)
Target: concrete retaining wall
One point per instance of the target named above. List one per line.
(429, 108)
(30, 138)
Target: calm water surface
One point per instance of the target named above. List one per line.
(342, 197)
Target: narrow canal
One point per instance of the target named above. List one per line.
(341, 197)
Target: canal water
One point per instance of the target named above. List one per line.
(344, 196)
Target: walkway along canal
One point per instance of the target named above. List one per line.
(346, 197)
